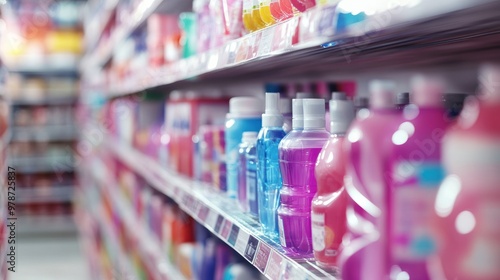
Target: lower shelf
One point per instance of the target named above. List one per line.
(221, 216)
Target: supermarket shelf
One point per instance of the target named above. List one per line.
(49, 194)
(32, 166)
(45, 224)
(97, 24)
(451, 32)
(137, 19)
(221, 216)
(148, 242)
(45, 101)
(44, 133)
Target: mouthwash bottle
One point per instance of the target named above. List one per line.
(268, 171)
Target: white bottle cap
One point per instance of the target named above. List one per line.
(341, 114)
(489, 79)
(427, 91)
(297, 114)
(245, 106)
(248, 136)
(314, 113)
(381, 94)
(303, 95)
(336, 95)
(285, 106)
(272, 116)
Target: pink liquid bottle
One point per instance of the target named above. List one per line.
(297, 156)
(363, 252)
(468, 201)
(415, 173)
(330, 202)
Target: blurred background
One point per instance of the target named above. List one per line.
(112, 117)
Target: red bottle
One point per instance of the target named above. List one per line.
(330, 202)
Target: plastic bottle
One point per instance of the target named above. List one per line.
(363, 255)
(287, 8)
(251, 177)
(276, 11)
(468, 201)
(244, 115)
(258, 22)
(247, 16)
(415, 174)
(268, 171)
(329, 204)
(248, 137)
(286, 111)
(298, 155)
(265, 12)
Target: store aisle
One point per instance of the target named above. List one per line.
(55, 257)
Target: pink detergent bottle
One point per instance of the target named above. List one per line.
(298, 153)
(415, 173)
(329, 204)
(363, 252)
(468, 201)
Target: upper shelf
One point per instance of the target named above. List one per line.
(221, 216)
(138, 17)
(453, 31)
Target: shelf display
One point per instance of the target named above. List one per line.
(297, 137)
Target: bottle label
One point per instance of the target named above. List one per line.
(318, 231)
(251, 185)
(415, 187)
(281, 231)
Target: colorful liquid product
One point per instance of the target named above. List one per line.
(247, 16)
(363, 253)
(468, 201)
(287, 9)
(298, 157)
(268, 170)
(276, 11)
(247, 138)
(330, 202)
(244, 115)
(256, 17)
(265, 12)
(251, 178)
(416, 172)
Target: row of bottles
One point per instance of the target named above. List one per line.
(388, 196)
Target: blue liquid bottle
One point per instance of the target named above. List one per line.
(268, 169)
(244, 115)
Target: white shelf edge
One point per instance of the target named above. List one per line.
(198, 204)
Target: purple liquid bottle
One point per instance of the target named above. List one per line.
(298, 154)
(364, 252)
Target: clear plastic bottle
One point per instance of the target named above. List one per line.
(297, 157)
(268, 170)
(330, 202)
(248, 136)
(251, 177)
